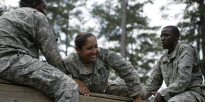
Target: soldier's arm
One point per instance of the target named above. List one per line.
(70, 65)
(46, 41)
(153, 83)
(125, 69)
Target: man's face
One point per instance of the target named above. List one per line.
(168, 38)
(41, 7)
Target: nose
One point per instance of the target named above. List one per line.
(94, 51)
(162, 38)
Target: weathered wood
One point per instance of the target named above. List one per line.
(97, 99)
(13, 93)
(10, 92)
(5, 82)
(111, 97)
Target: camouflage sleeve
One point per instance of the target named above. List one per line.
(184, 71)
(125, 70)
(153, 83)
(70, 63)
(44, 38)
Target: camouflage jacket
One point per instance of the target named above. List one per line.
(97, 81)
(26, 30)
(180, 71)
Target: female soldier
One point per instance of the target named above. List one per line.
(22, 33)
(89, 68)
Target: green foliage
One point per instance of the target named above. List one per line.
(3, 7)
(140, 43)
(1, 11)
(62, 13)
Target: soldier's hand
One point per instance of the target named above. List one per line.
(137, 98)
(157, 97)
(153, 93)
(82, 87)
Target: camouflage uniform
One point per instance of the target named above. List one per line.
(181, 73)
(22, 33)
(98, 81)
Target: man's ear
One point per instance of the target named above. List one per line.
(34, 5)
(176, 36)
(77, 49)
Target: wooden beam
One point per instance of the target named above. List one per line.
(10, 92)
(13, 93)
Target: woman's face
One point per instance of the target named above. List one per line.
(89, 52)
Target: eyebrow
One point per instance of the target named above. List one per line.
(166, 33)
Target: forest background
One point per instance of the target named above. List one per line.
(129, 27)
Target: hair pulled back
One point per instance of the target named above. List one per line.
(29, 3)
(175, 30)
(81, 39)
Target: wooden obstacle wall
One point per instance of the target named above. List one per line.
(10, 92)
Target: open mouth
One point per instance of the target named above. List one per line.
(93, 56)
(163, 43)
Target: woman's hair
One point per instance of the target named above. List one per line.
(81, 38)
(29, 3)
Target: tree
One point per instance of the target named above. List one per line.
(123, 27)
(192, 25)
(3, 8)
(62, 13)
(142, 41)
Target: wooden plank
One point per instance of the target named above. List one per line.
(111, 97)
(10, 92)
(96, 99)
(13, 93)
(5, 82)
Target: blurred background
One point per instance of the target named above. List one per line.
(130, 27)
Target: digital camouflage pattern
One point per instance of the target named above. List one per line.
(181, 72)
(98, 81)
(22, 33)
(117, 89)
(26, 30)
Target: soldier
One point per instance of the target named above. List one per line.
(23, 32)
(90, 68)
(179, 68)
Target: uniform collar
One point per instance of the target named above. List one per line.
(173, 55)
(96, 65)
(82, 68)
(29, 8)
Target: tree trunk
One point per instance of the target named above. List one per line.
(123, 28)
(67, 34)
(201, 7)
(198, 38)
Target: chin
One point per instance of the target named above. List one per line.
(164, 47)
(92, 60)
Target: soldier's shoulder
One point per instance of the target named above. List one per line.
(71, 57)
(24, 12)
(186, 46)
(183, 45)
(31, 11)
(103, 49)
